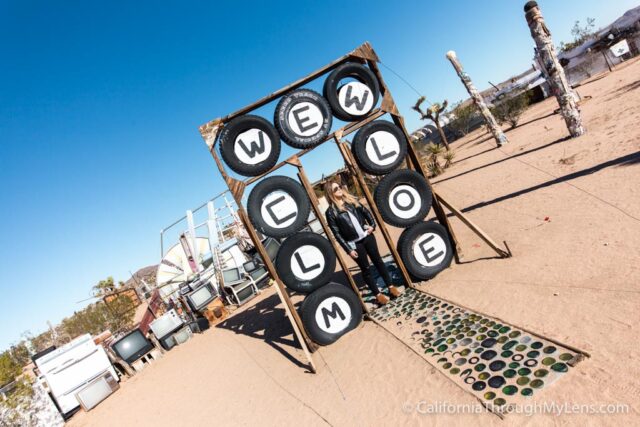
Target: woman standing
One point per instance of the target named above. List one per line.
(352, 225)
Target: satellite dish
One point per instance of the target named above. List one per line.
(175, 269)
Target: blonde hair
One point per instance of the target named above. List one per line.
(346, 196)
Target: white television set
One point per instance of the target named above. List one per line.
(97, 391)
(166, 324)
(201, 296)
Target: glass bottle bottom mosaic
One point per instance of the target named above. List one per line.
(498, 363)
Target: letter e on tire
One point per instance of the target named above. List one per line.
(425, 249)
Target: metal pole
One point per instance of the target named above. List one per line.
(554, 73)
(497, 133)
(194, 239)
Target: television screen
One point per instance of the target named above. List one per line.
(271, 245)
(201, 296)
(132, 346)
(258, 273)
(165, 324)
(249, 266)
(231, 275)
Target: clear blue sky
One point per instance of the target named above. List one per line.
(100, 104)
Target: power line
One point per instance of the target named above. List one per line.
(572, 185)
(405, 81)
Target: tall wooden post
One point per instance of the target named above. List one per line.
(497, 133)
(554, 72)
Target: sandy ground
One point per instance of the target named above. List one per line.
(570, 211)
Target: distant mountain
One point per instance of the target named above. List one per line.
(148, 274)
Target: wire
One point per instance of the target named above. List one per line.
(405, 81)
(572, 185)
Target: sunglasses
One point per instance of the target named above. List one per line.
(336, 188)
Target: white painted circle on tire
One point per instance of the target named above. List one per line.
(382, 148)
(333, 315)
(429, 249)
(356, 98)
(252, 146)
(312, 261)
(404, 201)
(279, 209)
(305, 119)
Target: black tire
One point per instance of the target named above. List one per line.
(381, 156)
(424, 262)
(305, 262)
(295, 131)
(364, 104)
(330, 312)
(256, 156)
(417, 193)
(292, 204)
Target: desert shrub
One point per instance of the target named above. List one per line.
(463, 117)
(9, 368)
(431, 154)
(510, 110)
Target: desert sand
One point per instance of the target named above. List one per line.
(570, 212)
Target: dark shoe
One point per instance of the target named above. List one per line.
(395, 292)
(382, 298)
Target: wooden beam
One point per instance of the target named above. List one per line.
(345, 130)
(477, 230)
(362, 51)
(391, 106)
(346, 154)
(315, 204)
(294, 318)
(297, 331)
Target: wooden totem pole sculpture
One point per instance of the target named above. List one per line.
(433, 113)
(554, 72)
(497, 133)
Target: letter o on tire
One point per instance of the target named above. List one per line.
(303, 118)
(379, 147)
(249, 145)
(330, 312)
(354, 99)
(403, 198)
(425, 249)
(278, 206)
(305, 262)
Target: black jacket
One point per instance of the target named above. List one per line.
(341, 226)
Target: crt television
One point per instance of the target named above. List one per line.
(132, 346)
(271, 245)
(231, 275)
(166, 324)
(201, 296)
(250, 265)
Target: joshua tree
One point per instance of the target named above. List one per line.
(433, 113)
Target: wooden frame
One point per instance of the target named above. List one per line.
(366, 55)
